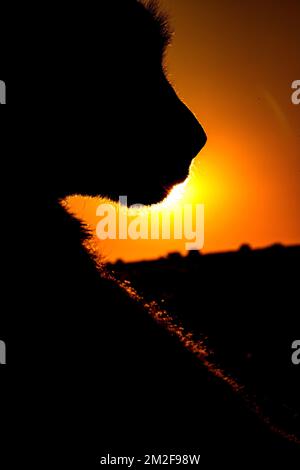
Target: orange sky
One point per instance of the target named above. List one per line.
(233, 64)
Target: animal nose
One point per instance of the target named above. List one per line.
(187, 136)
(193, 133)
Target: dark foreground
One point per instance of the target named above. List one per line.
(90, 373)
(244, 307)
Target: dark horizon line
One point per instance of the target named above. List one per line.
(244, 248)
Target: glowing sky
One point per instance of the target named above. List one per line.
(233, 64)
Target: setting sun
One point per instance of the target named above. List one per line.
(247, 175)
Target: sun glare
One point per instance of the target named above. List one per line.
(175, 195)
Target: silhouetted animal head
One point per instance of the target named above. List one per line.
(119, 127)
